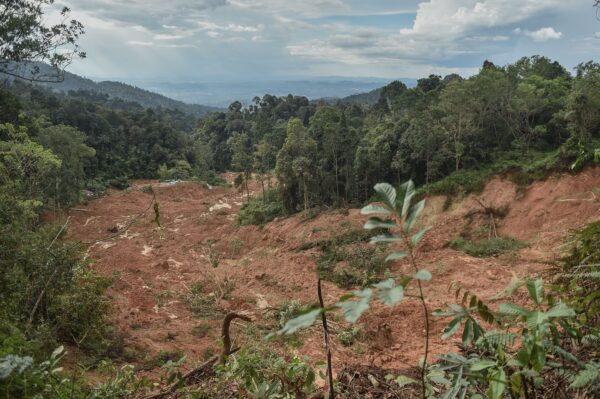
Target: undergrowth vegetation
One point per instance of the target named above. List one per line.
(261, 210)
(485, 248)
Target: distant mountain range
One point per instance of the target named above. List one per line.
(187, 97)
(145, 98)
(222, 94)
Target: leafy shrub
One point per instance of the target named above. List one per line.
(235, 245)
(525, 356)
(579, 273)
(261, 373)
(23, 377)
(203, 298)
(181, 170)
(463, 181)
(120, 183)
(259, 211)
(487, 248)
(354, 266)
(288, 310)
(80, 315)
(350, 335)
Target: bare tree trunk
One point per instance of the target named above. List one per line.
(326, 341)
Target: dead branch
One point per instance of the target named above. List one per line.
(326, 340)
(492, 213)
(207, 368)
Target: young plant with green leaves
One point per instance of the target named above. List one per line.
(528, 348)
(398, 216)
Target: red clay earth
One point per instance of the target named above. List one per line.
(153, 268)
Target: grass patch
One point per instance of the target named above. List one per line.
(348, 238)
(487, 248)
(201, 330)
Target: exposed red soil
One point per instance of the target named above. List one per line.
(153, 268)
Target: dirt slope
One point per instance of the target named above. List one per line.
(155, 269)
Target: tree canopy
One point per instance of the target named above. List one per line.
(26, 40)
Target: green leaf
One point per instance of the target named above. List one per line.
(374, 209)
(419, 236)
(560, 310)
(403, 380)
(389, 293)
(512, 309)
(387, 193)
(415, 211)
(385, 284)
(378, 223)
(452, 328)
(385, 238)
(395, 256)
(482, 365)
(409, 191)
(585, 377)
(467, 333)
(538, 358)
(423, 275)
(536, 290)
(497, 384)
(352, 310)
(536, 318)
(303, 321)
(496, 338)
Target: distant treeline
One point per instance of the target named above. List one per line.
(325, 154)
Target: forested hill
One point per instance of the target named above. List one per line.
(118, 90)
(369, 98)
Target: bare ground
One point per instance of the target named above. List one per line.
(154, 268)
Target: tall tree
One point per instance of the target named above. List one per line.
(241, 159)
(295, 166)
(26, 39)
(458, 118)
(68, 144)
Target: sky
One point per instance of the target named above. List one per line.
(247, 40)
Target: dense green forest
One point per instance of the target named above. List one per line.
(449, 134)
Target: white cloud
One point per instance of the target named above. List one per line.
(140, 43)
(308, 8)
(540, 35)
(167, 37)
(597, 35)
(451, 18)
(496, 38)
(211, 26)
(442, 30)
(213, 34)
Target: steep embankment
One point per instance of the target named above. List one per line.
(162, 275)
